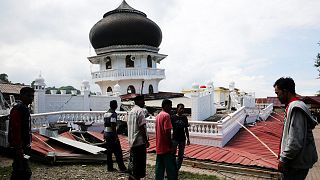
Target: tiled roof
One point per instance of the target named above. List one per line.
(305, 99)
(261, 100)
(243, 149)
(159, 95)
(11, 88)
(275, 101)
(311, 99)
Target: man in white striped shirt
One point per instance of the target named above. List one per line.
(138, 139)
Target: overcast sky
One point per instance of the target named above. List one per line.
(250, 42)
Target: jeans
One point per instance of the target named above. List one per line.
(166, 162)
(181, 145)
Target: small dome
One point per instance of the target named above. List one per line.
(231, 86)
(117, 88)
(39, 81)
(195, 86)
(210, 83)
(125, 26)
(85, 82)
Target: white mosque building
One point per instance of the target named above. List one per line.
(127, 43)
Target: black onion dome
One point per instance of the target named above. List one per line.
(125, 26)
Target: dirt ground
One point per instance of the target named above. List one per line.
(69, 171)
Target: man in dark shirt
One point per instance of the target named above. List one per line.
(180, 133)
(20, 134)
(112, 139)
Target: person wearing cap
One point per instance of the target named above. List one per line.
(138, 139)
(112, 142)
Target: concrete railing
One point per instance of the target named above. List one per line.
(129, 73)
(201, 132)
(265, 113)
(198, 128)
(43, 119)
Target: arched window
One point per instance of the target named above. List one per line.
(130, 61)
(109, 89)
(149, 61)
(131, 90)
(150, 89)
(108, 62)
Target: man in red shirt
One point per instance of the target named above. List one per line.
(165, 152)
(20, 134)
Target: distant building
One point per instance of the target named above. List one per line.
(12, 90)
(127, 43)
(69, 102)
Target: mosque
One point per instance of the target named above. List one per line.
(127, 44)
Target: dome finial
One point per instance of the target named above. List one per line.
(124, 7)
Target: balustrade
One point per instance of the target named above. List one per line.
(264, 113)
(129, 73)
(228, 124)
(43, 119)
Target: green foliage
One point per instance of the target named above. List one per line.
(317, 62)
(4, 78)
(189, 175)
(317, 65)
(5, 172)
(67, 88)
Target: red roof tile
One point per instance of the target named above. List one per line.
(243, 149)
(11, 88)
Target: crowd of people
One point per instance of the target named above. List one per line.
(297, 149)
(171, 135)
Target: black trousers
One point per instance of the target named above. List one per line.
(138, 161)
(113, 147)
(20, 167)
(295, 174)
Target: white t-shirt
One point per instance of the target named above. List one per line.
(136, 119)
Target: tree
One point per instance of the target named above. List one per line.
(4, 78)
(317, 65)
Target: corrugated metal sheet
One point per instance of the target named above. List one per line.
(243, 149)
(79, 145)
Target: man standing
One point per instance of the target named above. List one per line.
(20, 134)
(298, 151)
(165, 152)
(138, 139)
(112, 139)
(180, 133)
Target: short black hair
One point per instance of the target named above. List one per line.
(286, 83)
(166, 102)
(113, 104)
(138, 98)
(26, 90)
(180, 105)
